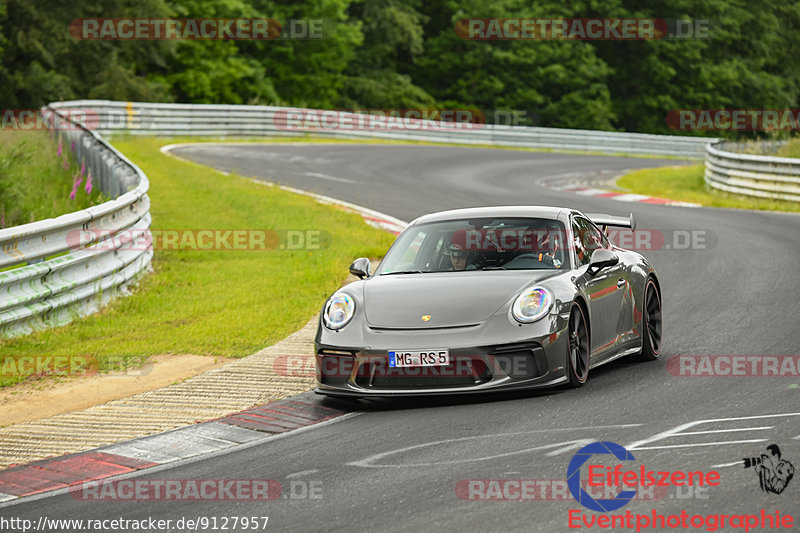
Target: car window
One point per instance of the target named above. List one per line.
(587, 238)
(479, 244)
(606, 244)
(582, 255)
(410, 254)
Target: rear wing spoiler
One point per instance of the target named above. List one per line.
(609, 220)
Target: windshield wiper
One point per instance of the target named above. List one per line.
(403, 272)
(493, 268)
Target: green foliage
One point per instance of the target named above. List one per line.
(400, 54)
(750, 60)
(563, 82)
(790, 149)
(34, 185)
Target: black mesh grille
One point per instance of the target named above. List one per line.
(461, 372)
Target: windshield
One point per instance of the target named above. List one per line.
(478, 244)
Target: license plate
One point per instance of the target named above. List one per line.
(419, 358)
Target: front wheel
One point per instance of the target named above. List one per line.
(577, 348)
(651, 323)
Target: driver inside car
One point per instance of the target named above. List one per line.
(549, 247)
(459, 257)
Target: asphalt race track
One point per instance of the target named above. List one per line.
(397, 465)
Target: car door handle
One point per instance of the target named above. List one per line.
(621, 283)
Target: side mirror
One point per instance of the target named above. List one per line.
(360, 268)
(602, 259)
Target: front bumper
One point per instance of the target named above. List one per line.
(522, 357)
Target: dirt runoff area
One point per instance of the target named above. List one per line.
(35, 399)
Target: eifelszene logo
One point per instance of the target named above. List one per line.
(774, 473)
(574, 476)
(614, 476)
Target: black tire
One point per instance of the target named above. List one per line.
(651, 322)
(578, 348)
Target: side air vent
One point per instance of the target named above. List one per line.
(521, 360)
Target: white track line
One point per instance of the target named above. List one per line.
(569, 444)
(697, 444)
(328, 177)
(678, 429)
(723, 430)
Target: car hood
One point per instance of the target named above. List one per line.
(451, 299)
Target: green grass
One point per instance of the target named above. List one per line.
(791, 149)
(221, 302)
(34, 184)
(686, 184)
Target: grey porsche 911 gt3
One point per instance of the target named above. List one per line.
(487, 299)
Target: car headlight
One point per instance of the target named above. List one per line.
(338, 311)
(532, 305)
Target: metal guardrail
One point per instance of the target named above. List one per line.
(137, 118)
(753, 175)
(55, 270)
